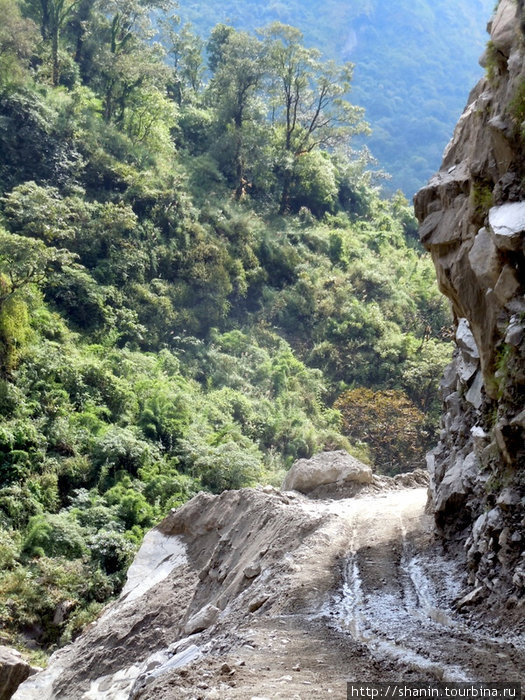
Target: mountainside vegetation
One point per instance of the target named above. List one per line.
(199, 284)
(415, 64)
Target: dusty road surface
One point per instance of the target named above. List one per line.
(343, 590)
(377, 604)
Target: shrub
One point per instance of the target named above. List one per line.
(111, 551)
(389, 422)
(120, 449)
(54, 536)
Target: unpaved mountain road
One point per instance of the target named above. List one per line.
(373, 601)
(293, 596)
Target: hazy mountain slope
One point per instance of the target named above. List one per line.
(415, 63)
(164, 332)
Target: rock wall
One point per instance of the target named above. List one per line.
(472, 220)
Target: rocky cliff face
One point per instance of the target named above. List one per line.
(472, 220)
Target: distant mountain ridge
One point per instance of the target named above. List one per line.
(415, 63)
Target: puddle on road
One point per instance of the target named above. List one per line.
(405, 627)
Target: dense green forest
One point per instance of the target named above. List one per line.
(415, 63)
(199, 284)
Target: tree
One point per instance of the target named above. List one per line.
(309, 109)
(163, 415)
(18, 38)
(240, 65)
(216, 44)
(389, 422)
(184, 49)
(54, 535)
(129, 60)
(79, 25)
(25, 261)
(52, 15)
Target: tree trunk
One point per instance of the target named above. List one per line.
(108, 103)
(44, 25)
(239, 169)
(284, 206)
(54, 56)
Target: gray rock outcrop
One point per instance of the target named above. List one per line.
(203, 619)
(472, 220)
(325, 468)
(13, 671)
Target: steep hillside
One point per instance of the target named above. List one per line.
(414, 65)
(194, 292)
(472, 217)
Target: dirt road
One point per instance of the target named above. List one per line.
(293, 597)
(374, 601)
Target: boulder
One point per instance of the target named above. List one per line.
(252, 570)
(13, 671)
(519, 420)
(495, 521)
(466, 369)
(336, 467)
(413, 479)
(484, 260)
(515, 334)
(465, 340)
(449, 379)
(158, 667)
(478, 526)
(507, 223)
(452, 492)
(519, 577)
(479, 438)
(474, 395)
(504, 24)
(205, 618)
(509, 498)
(471, 598)
(508, 285)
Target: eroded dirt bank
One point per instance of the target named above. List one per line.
(263, 594)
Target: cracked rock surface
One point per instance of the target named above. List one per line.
(472, 220)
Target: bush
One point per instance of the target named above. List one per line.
(112, 552)
(54, 536)
(120, 449)
(9, 549)
(229, 465)
(392, 426)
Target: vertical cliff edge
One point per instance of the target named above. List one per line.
(472, 220)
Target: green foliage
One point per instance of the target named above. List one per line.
(119, 449)
(18, 38)
(229, 465)
(517, 109)
(495, 62)
(24, 261)
(14, 331)
(53, 536)
(481, 197)
(163, 329)
(111, 551)
(389, 423)
(9, 549)
(404, 53)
